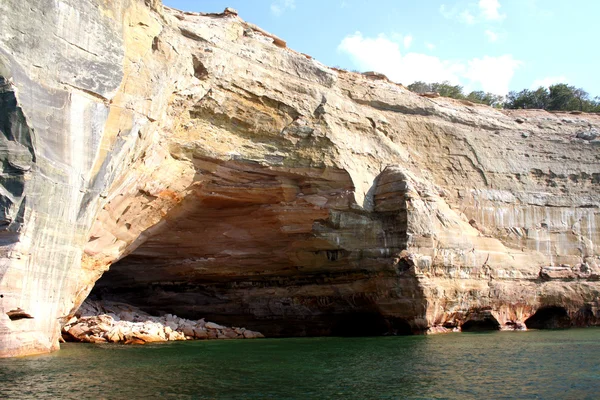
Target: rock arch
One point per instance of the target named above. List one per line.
(283, 251)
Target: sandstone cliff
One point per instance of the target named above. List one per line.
(219, 174)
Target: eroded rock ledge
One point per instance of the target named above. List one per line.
(214, 172)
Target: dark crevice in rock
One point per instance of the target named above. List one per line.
(550, 317)
(18, 314)
(192, 35)
(200, 70)
(333, 255)
(398, 108)
(155, 43)
(89, 92)
(17, 158)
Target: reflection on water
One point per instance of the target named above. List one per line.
(542, 364)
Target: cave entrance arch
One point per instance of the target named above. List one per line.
(484, 324)
(369, 324)
(282, 253)
(549, 317)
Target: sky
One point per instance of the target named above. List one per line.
(490, 45)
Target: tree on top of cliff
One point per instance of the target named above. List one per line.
(558, 97)
(526, 98)
(446, 89)
(482, 97)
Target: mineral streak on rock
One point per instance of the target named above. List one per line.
(220, 174)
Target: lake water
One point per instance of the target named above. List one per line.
(535, 364)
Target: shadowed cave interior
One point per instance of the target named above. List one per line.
(551, 317)
(252, 250)
(489, 323)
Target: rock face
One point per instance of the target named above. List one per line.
(220, 174)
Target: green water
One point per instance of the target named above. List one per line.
(535, 364)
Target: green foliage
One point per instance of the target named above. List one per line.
(482, 97)
(538, 98)
(420, 87)
(446, 89)
(562, 97)
(558, 97)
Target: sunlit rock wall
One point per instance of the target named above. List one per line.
(71, 121)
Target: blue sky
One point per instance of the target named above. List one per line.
(493, 45)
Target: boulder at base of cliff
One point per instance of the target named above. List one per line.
(102, 322)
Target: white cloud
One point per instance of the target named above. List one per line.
(484, 10)
(491, 36)
(489, 10)
(493, 73)
(548, 81)
(405, 40)
(538, 10)
(430, 46)
(467, 17)
(279, 6)
(383, 55)
(455, 13)
(445, 12)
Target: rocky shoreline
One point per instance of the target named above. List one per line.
(115, 322)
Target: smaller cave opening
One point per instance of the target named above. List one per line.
(486, 324)
(550, 317)
(333, 255)
(514, 325)
(450, 324)
(400, 327)
(585, 317)
(404, 265)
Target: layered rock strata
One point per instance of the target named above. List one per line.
(219, 174)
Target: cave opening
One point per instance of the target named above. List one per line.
(489, 323)
(549, 317)
(400, 327)
(249, 248)
(362, 324)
